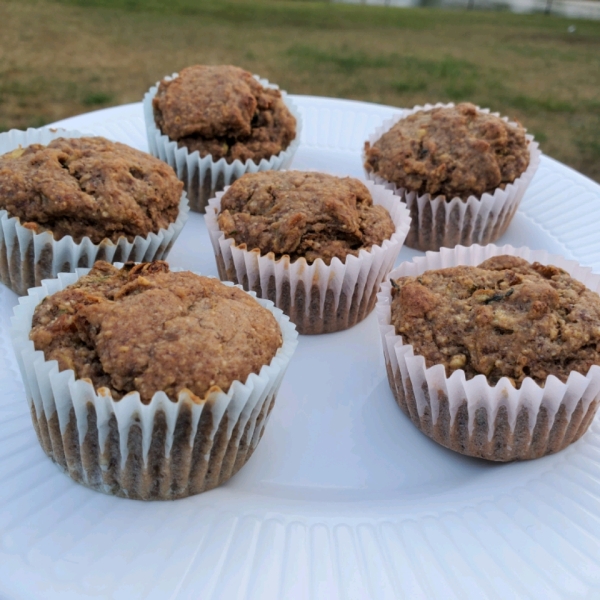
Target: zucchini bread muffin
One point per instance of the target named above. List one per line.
(454, 151)
(225, 114)
(80, 198)
(513, 332)
(303, 215)
(167, 354)
(88, 187)
(301, 223)
(447, 153)
(143, 328)
(503, 318)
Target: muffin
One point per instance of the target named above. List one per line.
(149, 384)
(214, 123)
(461, 170)
(496, 355)
(317, 245)
(67, 200)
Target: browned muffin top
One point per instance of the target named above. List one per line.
(142, 328)
(450, 151)
(88, 187)
(310, 215)
(223, 111)
(503, 318)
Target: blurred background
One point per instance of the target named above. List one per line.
(64, 57)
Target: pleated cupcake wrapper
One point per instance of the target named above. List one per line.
(27, 257)
(162, 450)
(318, 298)
(472, 417)
(204, 177)
(437, 223)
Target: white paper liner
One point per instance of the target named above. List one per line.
(27, 257)
(498, 423)
(437, 222)
(162, 450)
(318, 298)
(203, 177)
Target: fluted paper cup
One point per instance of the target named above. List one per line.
(204, 177)
(498, 422)
(27, 257)
(318, 298)
(438, 222)
(162, 450)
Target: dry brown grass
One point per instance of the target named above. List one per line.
(59, 59)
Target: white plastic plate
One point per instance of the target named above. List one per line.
(343, 498)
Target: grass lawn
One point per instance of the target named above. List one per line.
(60, 58)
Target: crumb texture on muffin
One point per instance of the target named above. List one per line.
(503, 318)
(303, 214)
(454, 152)
(143, 328)
(223, 111)
(88, 187)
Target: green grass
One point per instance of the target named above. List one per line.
(97, 99)
(344, 60)
(322, 15)
(62, 57)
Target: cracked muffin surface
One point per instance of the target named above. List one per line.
(458, 151)
(144, 328)
(223, 111)
(303, 214)
(88, 187)
(504, 318)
